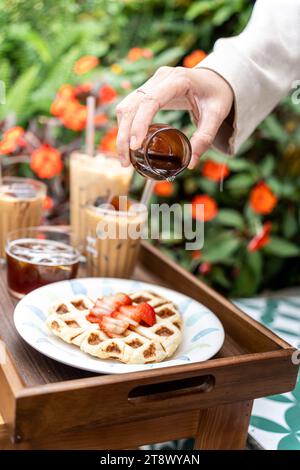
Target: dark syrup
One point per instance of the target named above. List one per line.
(162, 166)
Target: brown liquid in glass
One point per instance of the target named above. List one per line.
(163, 155)
(166, 166)
(33, 263)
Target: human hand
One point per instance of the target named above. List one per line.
(203, 92)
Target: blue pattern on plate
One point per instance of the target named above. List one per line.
(202, 333)
(37, 311)
(183, 358)
(78, 288)
(195, 317)
(184, 305)
(34, 326)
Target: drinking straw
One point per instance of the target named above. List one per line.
(147, 193)
(90, 126)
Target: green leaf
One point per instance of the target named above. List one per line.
(255, 263)
(200, 7)
(280, 399)
(18, 95)
(241, 181)
(267, 425)
(239, 164)
(169, 57)
(296, 392)
(292, 417)
(266, 166)
(275, 184)
(272, 128)
(289, 224)
(245, 283)
(230, 218)
(289, 443)
(220, 277)
(207, 186)
(282, 248)
(217, 252)
(223, 14)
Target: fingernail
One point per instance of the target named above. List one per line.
(133, 143)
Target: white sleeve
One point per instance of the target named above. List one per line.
(260, 64)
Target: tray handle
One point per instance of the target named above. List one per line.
(172, 389)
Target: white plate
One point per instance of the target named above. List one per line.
(203, 333)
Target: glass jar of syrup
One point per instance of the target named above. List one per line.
(164, 154)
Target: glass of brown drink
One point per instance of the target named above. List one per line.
(37, 256)
(21, 205)
(113, 235)
(164, 154)
(90, 177)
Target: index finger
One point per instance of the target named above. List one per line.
(156, 97)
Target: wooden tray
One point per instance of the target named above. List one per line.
(49, 405)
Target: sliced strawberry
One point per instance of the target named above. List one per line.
(112, 302)
(99, 311)
(122, 299)
(113, 327)
(93, 319)
(131, 312)
(126, 319)
(103, 307)
(147, 313)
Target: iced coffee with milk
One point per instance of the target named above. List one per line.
(91, 177)
(21, 205)
(113, 234)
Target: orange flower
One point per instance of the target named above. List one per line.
(215, 171)
(12, 139)
(196, 254)
(107, 94)
(85, 64)
(48, 203)
(210, 207)
(14, 134)
(126, 85)
(108, 141)
(7, 147)
(100, 119)
(205, 268)
(194, 58)
(147, 53)
(262, 199)
(164, 188)
(83, 88)
(74, 116)
(137, 53)
(46, 161)
(261, 239)
(58, 106)
(66, 91)
(65, 94)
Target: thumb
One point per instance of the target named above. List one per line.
(203, 137)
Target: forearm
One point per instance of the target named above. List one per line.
(260, 65)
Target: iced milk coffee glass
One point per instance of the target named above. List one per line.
(21, 205)
(113, 238)
(90, 177)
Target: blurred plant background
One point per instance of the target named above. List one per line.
(54, 54)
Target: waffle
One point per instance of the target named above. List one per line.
(139, 345)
